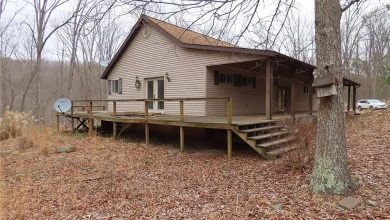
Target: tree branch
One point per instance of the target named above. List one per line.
(349, 5)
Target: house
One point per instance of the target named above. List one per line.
(161, 65)
(161, 60)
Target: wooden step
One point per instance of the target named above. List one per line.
(276, 142)
(245, 126)
(256, 123)
(261, 129)
(281, 150)
(270, 135)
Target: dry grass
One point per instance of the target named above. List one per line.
(107, 179)
(304, 132)
(13, 124)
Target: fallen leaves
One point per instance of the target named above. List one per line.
(107, 179)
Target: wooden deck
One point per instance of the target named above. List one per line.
(214, 121)
(264, 138)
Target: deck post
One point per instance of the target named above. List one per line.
(58, 123)
(71, 113)
(349, 99)
(146, 122)
(90, 119)
(181, 127)
(114, 127)
(229, 110)
(311, 100)
(293, 96)
(268, 89)
(354, 99)
(229, 143)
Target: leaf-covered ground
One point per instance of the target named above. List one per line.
(107, 179)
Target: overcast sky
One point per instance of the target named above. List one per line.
(305, 7)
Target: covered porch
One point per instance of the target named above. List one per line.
(351, 85)
(270, 86)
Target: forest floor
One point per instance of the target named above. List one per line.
(125, 179)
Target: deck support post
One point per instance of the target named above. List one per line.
(293, 96)
(311, 100)
(146, 133)
(114, 125)
(146, 122)
(181, 138)
(229, 143)
(268, 89)
(71, 113)
(90, 130)
(229, 130)
(58, 123)
(349, 99)
(181, 127)
(354, 99)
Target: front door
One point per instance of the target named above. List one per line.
(155, 90)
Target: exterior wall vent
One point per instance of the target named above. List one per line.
(146, 32)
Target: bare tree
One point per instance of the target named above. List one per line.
(8, 46)
(99, 42)
(85, 12)
(297, 38)
(41, 33)
(28, 55)
(377, 42)
(351, 34)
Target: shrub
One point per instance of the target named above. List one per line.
(14, 123)
(3, 135)
(26, 142)
(304, 132)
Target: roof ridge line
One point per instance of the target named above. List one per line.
(187, 29)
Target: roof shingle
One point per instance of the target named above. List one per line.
(187, 36)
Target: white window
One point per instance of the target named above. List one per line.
(115, 86)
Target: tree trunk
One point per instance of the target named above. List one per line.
(3, 85)
(38, 69)
(330, 174)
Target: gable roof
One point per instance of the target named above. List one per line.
(187, 36)
(192, 40)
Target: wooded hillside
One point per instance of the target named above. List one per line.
(45, 56)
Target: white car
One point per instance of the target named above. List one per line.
(371, 104)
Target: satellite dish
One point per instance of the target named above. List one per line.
(62, 105)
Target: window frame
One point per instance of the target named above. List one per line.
(116, 86)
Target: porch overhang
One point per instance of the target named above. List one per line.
(349, 82)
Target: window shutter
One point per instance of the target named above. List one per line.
(109, 87)
(216, 77)
(120, 86)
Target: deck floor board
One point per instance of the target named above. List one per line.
(197, 121)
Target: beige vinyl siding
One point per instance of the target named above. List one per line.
(246, 100)
(157, 55)
(302, 99)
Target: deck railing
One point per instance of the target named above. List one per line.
(95, 104)
(91, 106)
